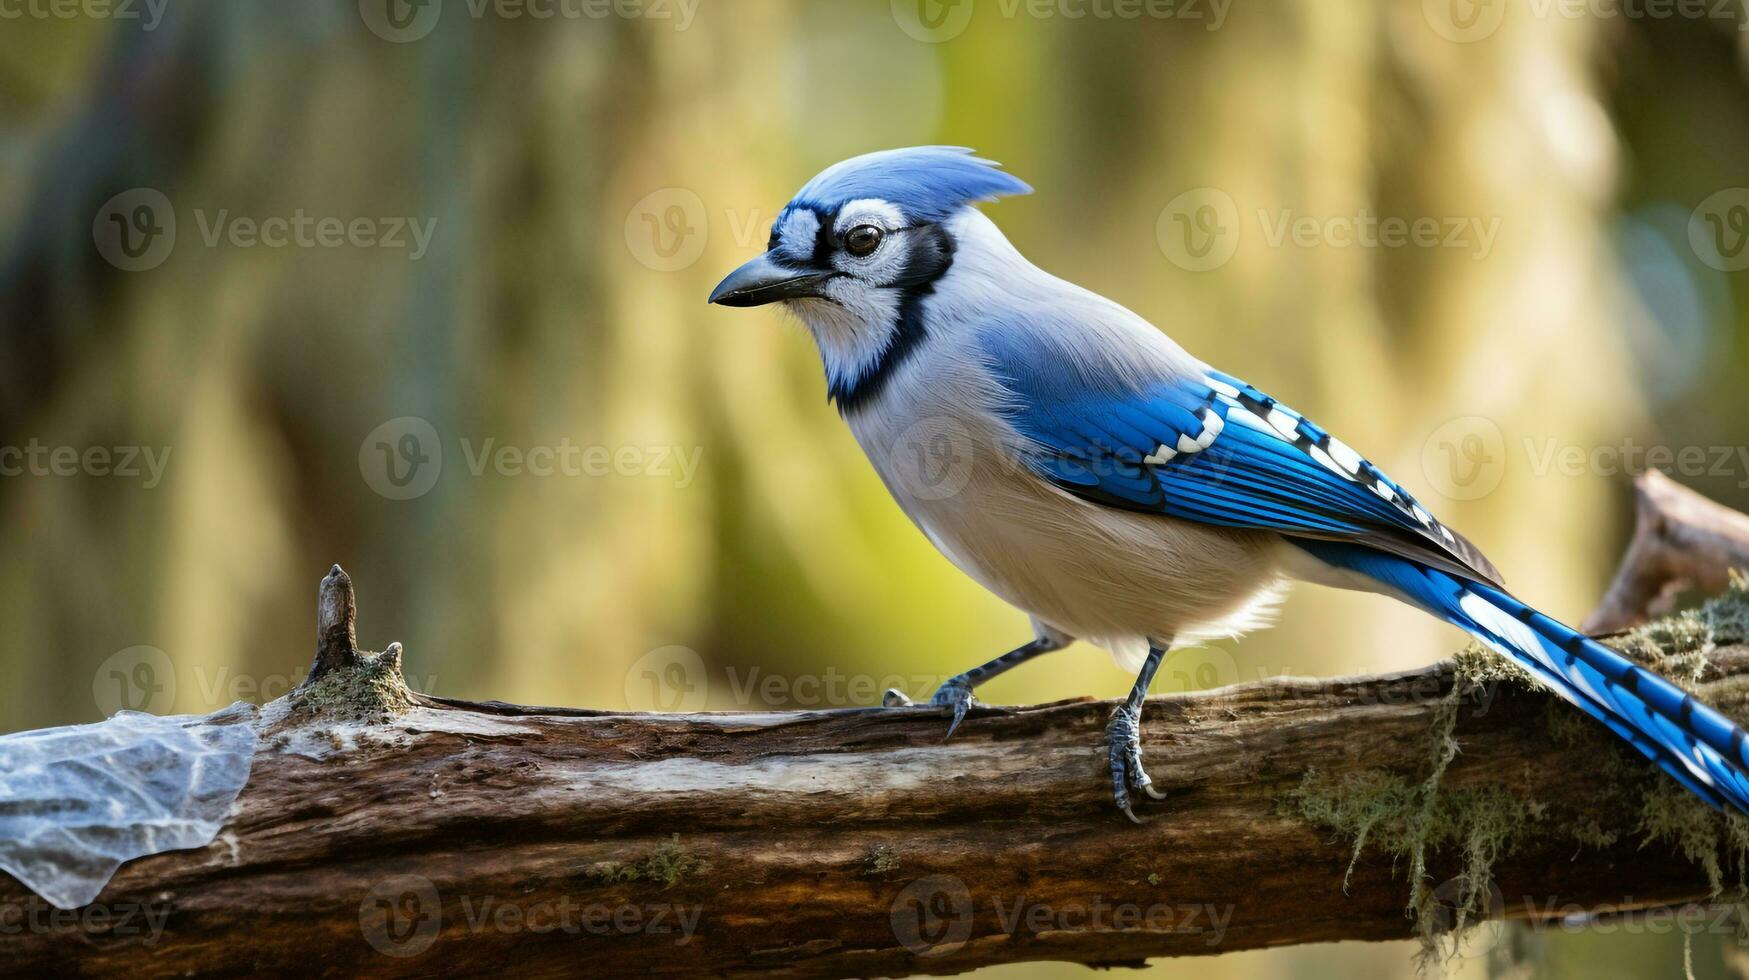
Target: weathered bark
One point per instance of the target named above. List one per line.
(1681, 541)
(799, 835)
(388, 833)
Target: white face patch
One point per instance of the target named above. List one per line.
(888, 260)
(866, 304)
(855, 323)
(795, 236)
(867, 211)
(850, 326)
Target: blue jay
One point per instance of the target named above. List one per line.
(1116, 488)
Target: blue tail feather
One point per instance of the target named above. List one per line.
(1702, 749)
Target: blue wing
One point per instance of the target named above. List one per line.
(1215, 450)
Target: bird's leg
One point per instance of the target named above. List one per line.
(956, 691)
(1123, 739)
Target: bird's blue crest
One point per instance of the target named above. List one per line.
(927, 183)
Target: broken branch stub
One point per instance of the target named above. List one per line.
(345, 683)
(1681, 541)
(336, 635)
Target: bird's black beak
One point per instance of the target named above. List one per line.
(763, 281)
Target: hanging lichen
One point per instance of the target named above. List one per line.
(1409, 818)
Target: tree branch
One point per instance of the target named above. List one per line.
(388, 833)
(1681, 541)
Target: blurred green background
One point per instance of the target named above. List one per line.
(432, 307)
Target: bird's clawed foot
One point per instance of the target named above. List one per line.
(1123, 744)
(956, 694)
(953, 693)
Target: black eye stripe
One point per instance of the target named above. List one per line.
(925, 263)
(827, 240)
(823, 243)
(830, 240)
(889, 231)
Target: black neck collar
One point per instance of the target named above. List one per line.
(930, 258)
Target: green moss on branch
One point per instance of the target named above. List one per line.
(1413, 817)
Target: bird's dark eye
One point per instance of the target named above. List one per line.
(862, 240)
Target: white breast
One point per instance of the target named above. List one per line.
(1112, 577)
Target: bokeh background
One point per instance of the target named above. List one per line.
(419, 289)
